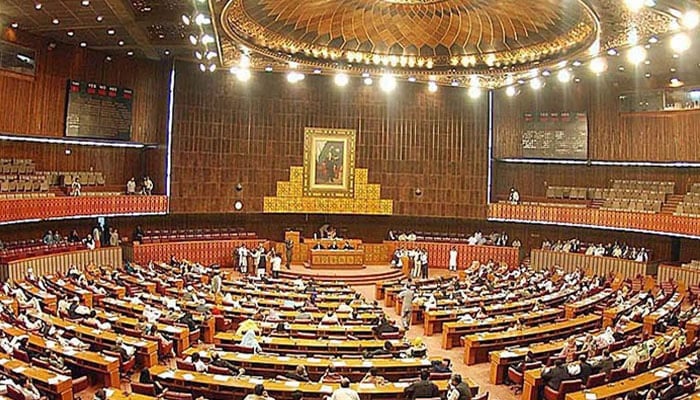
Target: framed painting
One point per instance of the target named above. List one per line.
(329, 162)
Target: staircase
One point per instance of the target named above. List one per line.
(672, 201)
(349, 277)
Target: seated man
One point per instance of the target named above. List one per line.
(318, 246)
(333, 246)
(348, 246)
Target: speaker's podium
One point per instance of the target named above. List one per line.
(325, 258)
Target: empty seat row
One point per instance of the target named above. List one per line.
(24, 186)
(650, 206)
(656, 186)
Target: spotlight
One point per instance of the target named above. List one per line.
(212, 68)
(653, 40)
(294, 77)
(120, 43)
(341, 79)
(598, 65)
(37, 6)
(166, 52)
(83, 44)
(634, 5)
(242, 74)
(202, 19)
(411, 79)
(675, 82)
(680, 42)
(474, 92)
(99, 18)
(454, 83)
(368, 81)
(85, 3)
(207, 39)
(111, 32)
(316, 71)
(55, 21)
(536, 83)
(268, 68)
(202, 67)
(636, 54)
(690, 19)
(576, 63)
(511, 91)
(564, 76)
(210, 54)
(193, 39)
(432, 87)
(15, 25)
(387, 83)
(198, 55)
(186, 19)
(612, 52)
(130, 53)
(70, 33)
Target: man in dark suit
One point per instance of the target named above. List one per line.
(586, 368)
(553, 376)
(606, 363)
(333, 246)
(423, 388)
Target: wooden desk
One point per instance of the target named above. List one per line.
(501, 360)
(337, 259)
(59, 386)
(671, 306)
(611, 314)
(47, 299)
(454, 331)
(593, 265)
(692, 327)
(362, 332)
(477, 347)
(585, 306)
(269, 366)
(146, 350)
(311, 346)
(639, 381)
(106, 368)
(227, 387)
(356, 243)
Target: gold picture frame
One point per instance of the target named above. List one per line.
(329, 162)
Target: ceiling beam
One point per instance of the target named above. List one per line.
(123, 13)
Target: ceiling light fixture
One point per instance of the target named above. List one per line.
(598, 65)
(37, 6)
(368, 81)
(193, 39)
(690, 19)
(387, 83)
(635, 5)
(474, 92)
(210, 54)
(120, 43)
(185, 19)
(536, 83)
(511, 91)
(207, 39)
(83, 44)
(680, 42)
(99, 18)
(294, 77)
(55, 21)
(432, 87)
(564, 76)
(111, 32)
(15, 25)
(212, 68)
(202, 67)
(202, 19)
(636, 55)
(70, 33)
(85, 3)
(166, 52)
(129, 53)
(675, 82)
(341, 79)
(242, 74)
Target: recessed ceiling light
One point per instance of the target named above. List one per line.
(129, 53)
(647, 62)
(85, 3)
(99, 18)
(577, 80)
(612, 52)
(454, 83)
(70, 33)
(675, 82)
(108, 58)
(576, 63)
(268, 68)
(411, 78)
(186, 19)
(15, 25)
(317, 71)
(367, 81)
(37, 6)
(636, 54)
(676, 56)
(161, 36)
(111, 32)
(341, 79)
(673, 69)
(55, 21)
(621, 68)
(691, 19)
(120, 43)
(166, 52)
(647, 75)
(546, 73)
(83, 44)
(432, 87)
(653, 40)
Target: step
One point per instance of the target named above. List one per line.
(350, 277)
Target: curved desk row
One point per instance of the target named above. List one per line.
(439, 253)
(206, 252)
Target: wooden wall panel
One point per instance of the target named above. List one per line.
(612, 135)
(226, 132)
(117, 164)
(532, 179)
(37, 107)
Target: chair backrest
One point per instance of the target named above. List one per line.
(596, 380)
(568, 386)
(147, 389)
(177, 396)
(181, 364)
(617, 374)
(14, 393)
(482, 396)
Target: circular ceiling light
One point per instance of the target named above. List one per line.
(432, 87)
(243, 74)
(536, 83)
(564, 76)
(511, 91)
(690, 19)
(294, 77)
(636, 55)
(238, 205)
(634, 5)
(367, 81)
(186, 19)
(55, 21)
(680, 42)
(387, 83)
(474, 92)
(341, 79)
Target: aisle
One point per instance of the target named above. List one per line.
(479, 373)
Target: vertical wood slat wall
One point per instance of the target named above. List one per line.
(612, 136)
(226, 132)
(37, 106)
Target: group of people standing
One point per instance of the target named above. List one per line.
(261, 257)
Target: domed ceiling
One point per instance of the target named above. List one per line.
(494, 41)
(420, 34)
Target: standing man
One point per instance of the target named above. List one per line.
(275, 264)
(242, 259)
(424, 264)
(216, 283)
(261, 261)
(131, 186)
(453, 259)
(416, 263)
(288, 248)
(406, 297)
